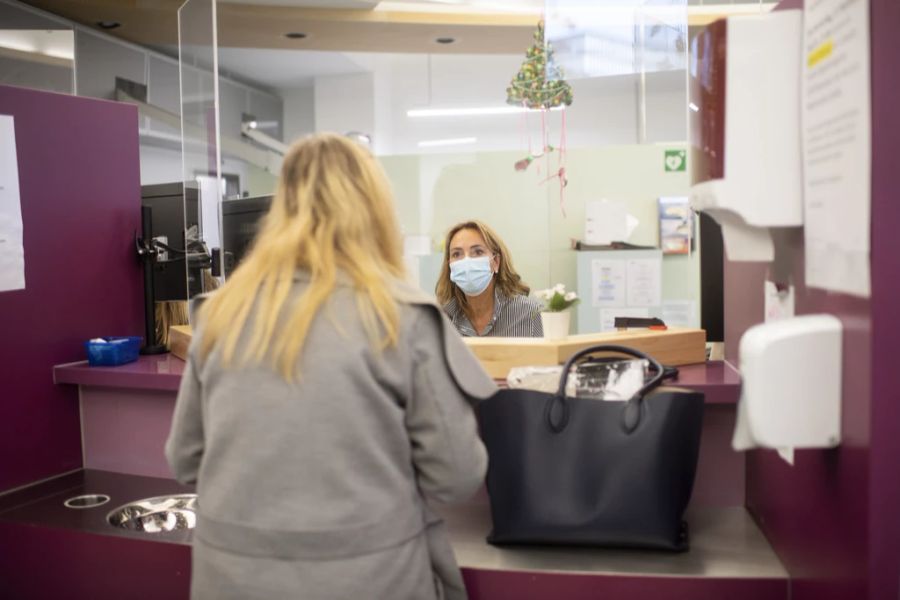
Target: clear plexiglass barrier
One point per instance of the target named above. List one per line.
(201, 156)
(585, 123)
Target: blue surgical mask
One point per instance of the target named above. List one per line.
(472, 275)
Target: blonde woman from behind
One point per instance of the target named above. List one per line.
(321, 399)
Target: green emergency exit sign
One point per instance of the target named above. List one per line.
(676, 160)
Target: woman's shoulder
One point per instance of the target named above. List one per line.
(521, 301)
(414, 302)
(410, 295)
(406, 293)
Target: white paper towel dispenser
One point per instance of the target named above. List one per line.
(791, 389)
(745, 128)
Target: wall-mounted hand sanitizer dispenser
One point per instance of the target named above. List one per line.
(745, 128)
(791, 388)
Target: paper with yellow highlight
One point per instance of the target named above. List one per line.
(836, 122)
(820, 53)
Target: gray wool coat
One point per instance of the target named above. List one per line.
(316, 489)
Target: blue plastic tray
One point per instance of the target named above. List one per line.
(114, 351)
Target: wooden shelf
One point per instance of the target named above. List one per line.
(674, 346)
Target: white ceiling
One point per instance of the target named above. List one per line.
(292, 69)
(478, 5)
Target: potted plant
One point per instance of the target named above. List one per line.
(555, 316)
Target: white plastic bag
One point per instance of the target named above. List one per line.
(607, 380)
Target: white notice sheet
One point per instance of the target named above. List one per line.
(12, 251)
(608, 284)
(644, 282)
(836, 121)
(679, 313)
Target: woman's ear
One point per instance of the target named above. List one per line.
(495, 263)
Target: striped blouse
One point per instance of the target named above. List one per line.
(516, 316)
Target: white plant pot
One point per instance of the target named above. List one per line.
(555, 324)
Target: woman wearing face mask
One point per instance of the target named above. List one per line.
(479, 289)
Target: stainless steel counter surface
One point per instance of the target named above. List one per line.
(725, 543)
(41, 504)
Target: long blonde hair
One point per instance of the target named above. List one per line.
(506, 279)
(332, 211)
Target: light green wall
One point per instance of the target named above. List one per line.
(635, 176)
(435, 191)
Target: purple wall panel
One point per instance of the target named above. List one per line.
(79, 176)
(884, 479)
(125, 431)
(63, 563)
(720, 470)
(815, 513)
(832, 517)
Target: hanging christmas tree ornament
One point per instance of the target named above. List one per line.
(523, 164)
(563, 182)
(540, 85)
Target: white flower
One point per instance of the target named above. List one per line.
(559, 288)
(571, 296)
(543, 294)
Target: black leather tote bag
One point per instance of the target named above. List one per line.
(588, 472)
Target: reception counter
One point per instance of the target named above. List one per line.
(126, 413)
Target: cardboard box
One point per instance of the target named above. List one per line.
(179, 340)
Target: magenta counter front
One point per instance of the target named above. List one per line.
(126, 412)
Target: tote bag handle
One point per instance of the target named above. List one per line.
(631, 413)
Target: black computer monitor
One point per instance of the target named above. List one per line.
(240, 222)
(712, 279)
(174, 209)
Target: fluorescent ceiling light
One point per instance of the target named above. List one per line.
(54, 43)
(18, 46)
(63, 54)
(514, 7)
(471, 112)
(447, 142)
(698, 14)
(733, 9)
